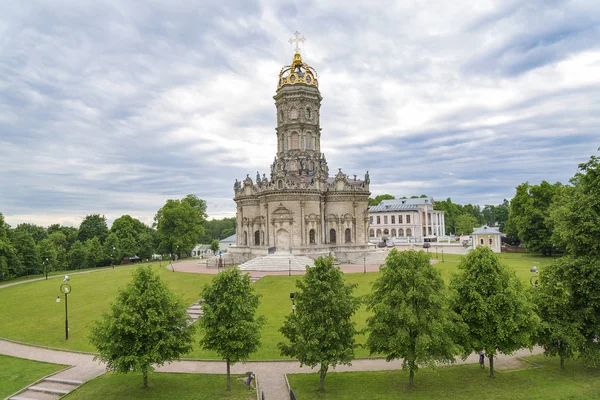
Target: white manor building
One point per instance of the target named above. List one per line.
(412, 219)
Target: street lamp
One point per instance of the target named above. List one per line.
(292, 295)
(290, 268)
(534, 278)
(364, 265)
(45, 267)
(65, 289)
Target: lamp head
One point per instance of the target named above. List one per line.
(66, 279)
(534, 269)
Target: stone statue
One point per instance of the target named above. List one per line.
(237, 186)
(367, 177)
(257, 177)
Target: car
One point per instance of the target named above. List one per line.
(382, 244)
(426, 245)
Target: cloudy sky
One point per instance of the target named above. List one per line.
(113, 107)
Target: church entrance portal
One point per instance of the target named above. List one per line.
(283, 244)
(257, 238)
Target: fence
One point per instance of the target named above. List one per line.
(292, 394)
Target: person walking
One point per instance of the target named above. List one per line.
(481, 359)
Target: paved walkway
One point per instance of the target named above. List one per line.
(269, 373)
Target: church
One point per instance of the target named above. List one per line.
(299, 208)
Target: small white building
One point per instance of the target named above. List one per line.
(411, 219)
(226, 243)
(489, 237)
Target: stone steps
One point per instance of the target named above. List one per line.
(277, 262)
(195, 311)
(50, 388)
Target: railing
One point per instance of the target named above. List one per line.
(287, 383)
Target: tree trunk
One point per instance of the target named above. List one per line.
(562, 363)
(145, 374)
(228, 377)
(323, 372)
(492, 366)
(411, 378)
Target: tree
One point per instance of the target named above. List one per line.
(465, 224)
(128, 246)
(77, 256)
(179, 224)
(214, 246)
(95, 252)
(10, 265)
(528, 213)
(451, 213)
(375, 201)
(27, 252)
(491, 301)
(560, 328)
(112, 249)
(197, 204)
(38, 233)
(229, 324)
(146, 326)
(575, 213)
(321, 330)
(48, 255)
(93, 225)
(218, 229)
(146, 246)
(411, 317)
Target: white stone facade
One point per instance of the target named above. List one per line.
(413, 219)
(299, 208)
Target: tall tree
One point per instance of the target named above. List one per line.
(560, 330)
(77, 256)
(451, 213)
(112, 249)
(93, 225)
(10, 265)
(38, 233)
(95, 252)
(411, 317)
(493, 304)
(146, 326)
(27, 252)
(179, 225)
(465, 224)
(48, 255)
(321, 331)
(379, 198)
(575, 214)
(229, 324)
(218, 229)
(214, 246)
(528, 213)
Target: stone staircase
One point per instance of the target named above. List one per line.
(195, 311)
(47, 389)
(277, 262)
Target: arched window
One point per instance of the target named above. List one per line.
(308, 142)
(393, 232)
(308, 113)
(295, 143)
(378, 232)
(257, 238)
(280, 184)
(293, 113)
(371, 233)
(245, 238)
(311, 237)
(400, 232)
(281, 116)
(332, 237)
(348, 235)
(408, 232)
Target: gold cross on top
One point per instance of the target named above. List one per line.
(297, 40)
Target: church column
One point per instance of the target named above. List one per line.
(302, 233)
(267, 225)
(426, 225)
(323, 237)
(354, 227)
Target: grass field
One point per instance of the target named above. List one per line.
(30, 313)
(457, 382)
(16, 373)
(162, 386)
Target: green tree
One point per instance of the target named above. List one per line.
(411, 317)
(528, 213)
(146, 246)
(128, 246)
(179, 224)
(77, 256)
(10, 265)
(560, 329)
(465, 224)
(93, 225)
(451, 213)
(575, 214)
(375, 201)
(95, 252)
(48, 255)
(218, 229)
(112, 249)
(214, 246)
(146, 326)
(197, 204)
(493, 304)
(4, 227)
(321, 331)
(501, 212)
(229, 324)
(38, 233)
(27, 252)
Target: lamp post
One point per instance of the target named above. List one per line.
(364, 265)
(65, 289)
(292, 295)
(290, 269)
(442, 256)
(45, 267)
(534, 278)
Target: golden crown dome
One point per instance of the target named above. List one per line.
(297, 73)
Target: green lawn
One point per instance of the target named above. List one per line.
(17, 373)
(162, 386)
(30, 313)
(457, 382)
